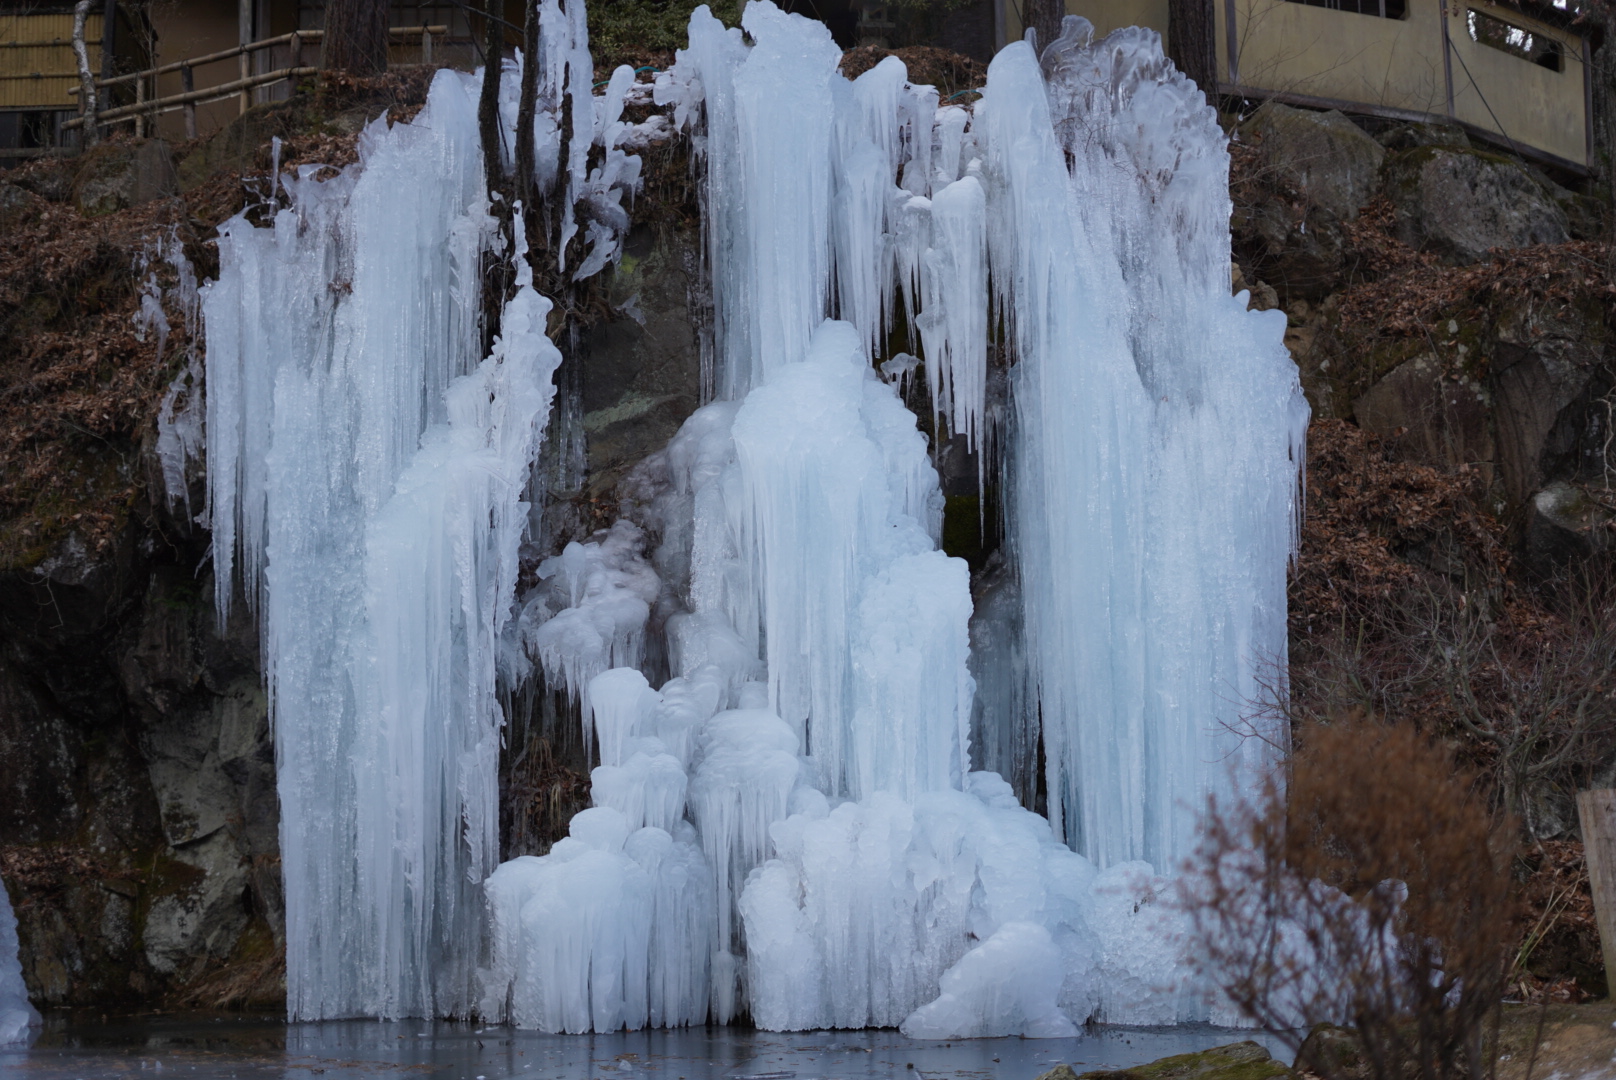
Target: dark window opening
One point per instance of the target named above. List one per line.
(1536, 48)
(1385, 9)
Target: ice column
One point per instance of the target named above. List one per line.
(366, 467)
(1158, 434)
(17, 1016)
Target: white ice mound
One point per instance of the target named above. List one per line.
(17, 1016)
(959, 915)
(589, 614)
(611, 929)
(1008, 985)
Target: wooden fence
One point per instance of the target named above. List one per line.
(189, 98)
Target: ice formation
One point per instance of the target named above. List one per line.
(180, 413)
(862, 873)
(771, 659)
(366, 470)
(1156, 422)
(17, 1016)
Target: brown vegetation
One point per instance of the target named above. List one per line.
(1371, 885)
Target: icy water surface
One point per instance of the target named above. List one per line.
(249, 1049)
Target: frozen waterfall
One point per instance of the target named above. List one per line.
(17, 1016)
(367, 467)
(795, 825)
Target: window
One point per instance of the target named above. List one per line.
(1385, 9)
(1537, 48)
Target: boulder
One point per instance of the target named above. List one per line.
(17, 206)
(1237, 1061)
(1548, 366)
(1442, 419)
(1322, 156)
(1411, 136)
(1335, 1052)
(1565, 526)
(1463, 203)
(116, 176)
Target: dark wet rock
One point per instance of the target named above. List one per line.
(1566, 525)
(1548, 367)
(1463, 203)
(1237, 1061)
(1444, 417)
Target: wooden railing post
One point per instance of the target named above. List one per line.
(426, 45)
(244, 27)
(297, 49)
(187, 84)
(140, 115)
(1597, 811)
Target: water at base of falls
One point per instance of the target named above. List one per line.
(237, 1048)
(794, 826)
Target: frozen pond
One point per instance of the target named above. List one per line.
(181, 1049)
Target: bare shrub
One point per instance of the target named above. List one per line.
(1372, 887)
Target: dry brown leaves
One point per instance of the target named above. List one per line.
(47, 868)
(1365, 510)
(950, 72)
(1417, 289)
(1558, 928)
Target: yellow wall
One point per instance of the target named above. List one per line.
(40, 75)
(196, 28)
(1533, 104)
(1287, 48)
(1106, 15)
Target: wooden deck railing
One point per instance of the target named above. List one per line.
(189, 98)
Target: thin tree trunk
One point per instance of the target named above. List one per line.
(1191, 36)
(526, 108)
(87, 99)
(488, 103)
(1045, 17)
(355, 37)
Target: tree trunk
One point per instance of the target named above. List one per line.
(91, 131)
(1191, 43)
(1045, 17)
(526, 111)
(355, 37)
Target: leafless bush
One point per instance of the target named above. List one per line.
(1526, 693)
(1372, 887)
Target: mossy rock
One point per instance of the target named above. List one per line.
(1237, 1061)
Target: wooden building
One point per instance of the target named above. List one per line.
(1515, 75)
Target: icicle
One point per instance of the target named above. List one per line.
(365, 476)
(18, 1018)
(1154, 473)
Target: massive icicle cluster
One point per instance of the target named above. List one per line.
(17, 1016)
(790, 825)
(817, 731)
(366, 469)
(1157, 435)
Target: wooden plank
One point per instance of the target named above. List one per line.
(1597, 810)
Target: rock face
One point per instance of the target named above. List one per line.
(1462, 203)
(116, 176)
(1566, 525)
(1323, 157)
(139, 817)
(1237, 1061)
(1315, 171)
